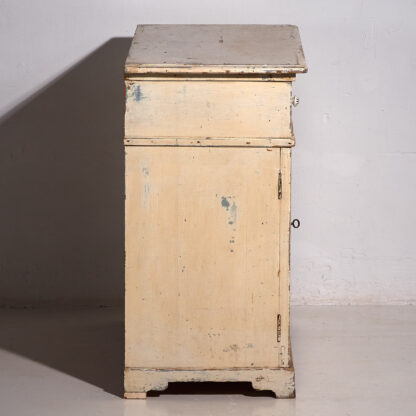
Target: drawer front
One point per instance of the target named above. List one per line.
(249, 109)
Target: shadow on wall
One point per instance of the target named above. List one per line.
(62, 189)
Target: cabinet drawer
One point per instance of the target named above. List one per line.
(209, 108)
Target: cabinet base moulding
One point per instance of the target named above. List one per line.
(281, 381)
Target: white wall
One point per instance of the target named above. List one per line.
(61, 163)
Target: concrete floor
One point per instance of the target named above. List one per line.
(348, 361)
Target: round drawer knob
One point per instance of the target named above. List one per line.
(295, 101)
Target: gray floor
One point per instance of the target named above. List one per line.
(348, 361)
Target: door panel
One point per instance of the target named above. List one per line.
(202, 257)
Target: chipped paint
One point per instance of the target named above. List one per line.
(231, 348)
(279, 380)
(231, 208)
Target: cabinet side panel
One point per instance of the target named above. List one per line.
(284, 269)
(202, 257)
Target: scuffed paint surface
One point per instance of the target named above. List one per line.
(231, 208)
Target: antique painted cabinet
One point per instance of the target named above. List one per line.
(208, 138)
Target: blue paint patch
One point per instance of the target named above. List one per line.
(137, 93)
(225, 203)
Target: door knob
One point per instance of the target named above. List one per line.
(295, 223)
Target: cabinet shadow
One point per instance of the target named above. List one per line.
(61, 182)
(62, 220)
(84, 343)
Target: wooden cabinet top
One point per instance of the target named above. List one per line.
(215, 49)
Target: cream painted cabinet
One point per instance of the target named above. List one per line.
(208, 139)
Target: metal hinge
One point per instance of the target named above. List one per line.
(279, 327)
(279, 186)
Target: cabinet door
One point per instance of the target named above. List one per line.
(202, 257)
